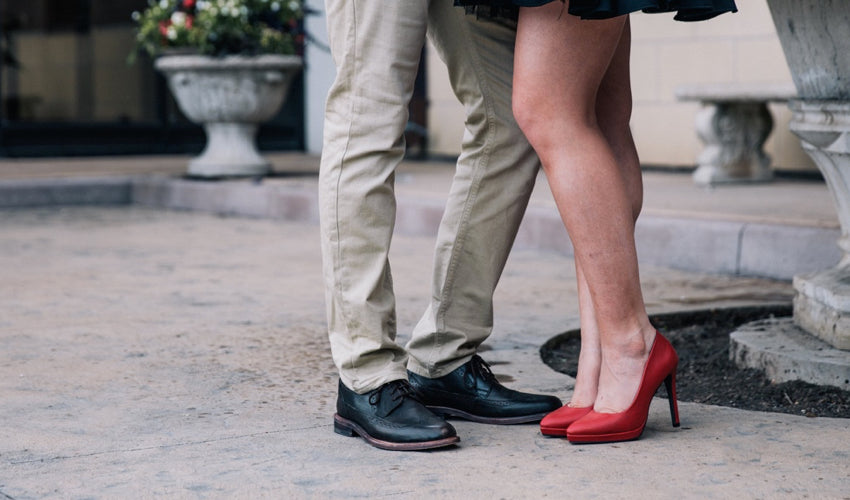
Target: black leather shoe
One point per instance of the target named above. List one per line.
(391, 418)
(472, 392)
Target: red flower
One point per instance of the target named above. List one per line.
(189, 21)
(189, 4)
(163, 27)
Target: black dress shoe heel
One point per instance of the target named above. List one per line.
(391, 418)
(471, 392)
(343, 427)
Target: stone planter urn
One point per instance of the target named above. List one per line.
(815, 37)
(230, 96)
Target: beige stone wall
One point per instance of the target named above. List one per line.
(741, 47)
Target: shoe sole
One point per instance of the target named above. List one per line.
(560, 432)
(614, 437)
(349, 428)
(454, 412)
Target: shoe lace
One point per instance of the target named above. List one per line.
(479, 369)
(398, 390)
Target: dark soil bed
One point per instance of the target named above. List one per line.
(706, 375)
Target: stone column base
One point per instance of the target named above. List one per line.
(785, 353)
(822, 306)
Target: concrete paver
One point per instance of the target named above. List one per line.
(152, 353)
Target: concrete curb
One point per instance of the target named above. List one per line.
(737, 248)
(68, 191)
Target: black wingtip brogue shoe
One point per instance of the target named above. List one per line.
(472, 392)
(391, 418)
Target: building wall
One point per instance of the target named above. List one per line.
(72, 77)
(318, 74)
(740, 47)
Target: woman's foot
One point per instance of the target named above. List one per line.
(584, 392)
(604, 427)
(621, 369)
(587, 376)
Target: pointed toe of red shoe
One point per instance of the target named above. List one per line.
(598, 427)
(556, 423)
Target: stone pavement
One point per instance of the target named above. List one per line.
(147, 352)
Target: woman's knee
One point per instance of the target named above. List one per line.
(541, 118)
(524, 104)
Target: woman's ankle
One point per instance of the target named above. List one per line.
(582, 396)
(587, 377)
(634, 344)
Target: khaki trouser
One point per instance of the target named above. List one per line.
(376, 47)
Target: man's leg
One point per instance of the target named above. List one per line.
(376, 48)
(494, 179)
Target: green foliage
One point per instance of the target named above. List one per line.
(220, 27)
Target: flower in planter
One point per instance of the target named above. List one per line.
(221, 27)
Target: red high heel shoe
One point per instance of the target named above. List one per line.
(598, 427)
(556, 423)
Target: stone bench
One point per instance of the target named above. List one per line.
(734, 124)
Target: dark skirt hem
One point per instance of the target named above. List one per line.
(686, 10)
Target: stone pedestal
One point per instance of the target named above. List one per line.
(230, 151)
(734, 136)
(734, 124)
(822, 304)
(815, 37)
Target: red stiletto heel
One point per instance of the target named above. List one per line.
(556, 423)
(626, 425)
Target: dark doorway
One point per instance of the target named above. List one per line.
(66, 87)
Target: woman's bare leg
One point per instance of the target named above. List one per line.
(613, 113)
(561, 62)
(590, 356)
